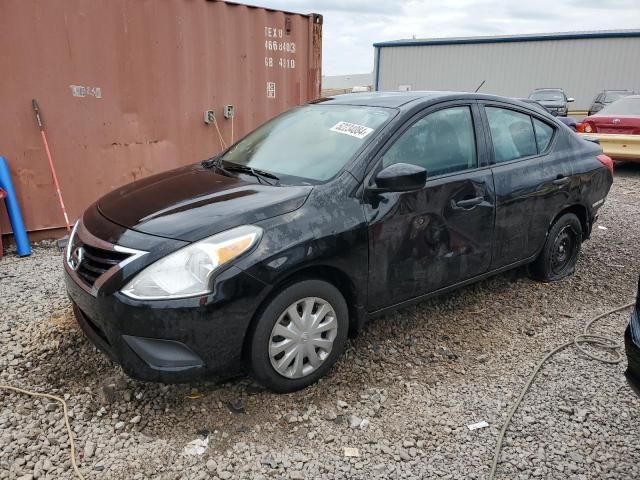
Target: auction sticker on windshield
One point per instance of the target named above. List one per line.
(353, 129)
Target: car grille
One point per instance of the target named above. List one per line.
(90, 261)
(96, 261)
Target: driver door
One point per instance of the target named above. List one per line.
(425, 240)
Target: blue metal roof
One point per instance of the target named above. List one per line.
(537, 37)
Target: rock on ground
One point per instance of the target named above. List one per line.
(417, 376)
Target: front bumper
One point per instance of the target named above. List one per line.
(160, 340)
(558, 111)
(175, 340)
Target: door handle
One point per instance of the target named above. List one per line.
(468, 203)
(561, 180)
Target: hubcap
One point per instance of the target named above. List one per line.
(302, 338)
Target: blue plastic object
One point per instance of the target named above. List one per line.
(13, 208)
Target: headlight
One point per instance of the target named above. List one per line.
(187, 272)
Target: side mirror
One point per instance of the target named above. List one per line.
(399, 177)
(571, 99)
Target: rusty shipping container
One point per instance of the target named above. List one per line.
(123, 86)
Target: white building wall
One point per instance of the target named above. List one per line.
(583, 67)
(347, 81)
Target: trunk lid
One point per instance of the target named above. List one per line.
(622, 124)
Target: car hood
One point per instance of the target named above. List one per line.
(552, 103)
(191, 203)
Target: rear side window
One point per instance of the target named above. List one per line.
(442, 142)
(544, 133)
(512, 134)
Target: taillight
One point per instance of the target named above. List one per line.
(584, 127)
(607, 162)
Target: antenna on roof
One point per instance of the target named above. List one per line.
(479, 86)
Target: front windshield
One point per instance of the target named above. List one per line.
(313, 142)
(624, 106)
(548, 95)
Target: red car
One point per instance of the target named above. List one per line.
(620, 117)
(616, 126)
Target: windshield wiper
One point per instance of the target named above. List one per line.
(216, 162)
(259, 174)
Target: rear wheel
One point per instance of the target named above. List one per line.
(299, 336)
(561, 249)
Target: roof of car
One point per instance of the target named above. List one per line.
(398, 99)
(379, 99)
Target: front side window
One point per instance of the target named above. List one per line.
(442, 142)
(512, 134)
(309, 144)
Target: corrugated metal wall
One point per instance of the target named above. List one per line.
(583, 67)
(123, 86)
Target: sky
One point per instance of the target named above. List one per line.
(352, 26)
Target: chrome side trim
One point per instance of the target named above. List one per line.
(87, 238)
(70, 244)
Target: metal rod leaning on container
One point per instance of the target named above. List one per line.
(36, 110)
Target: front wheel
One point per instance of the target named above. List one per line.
(299, 336)
(561, 249)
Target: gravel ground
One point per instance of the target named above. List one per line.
(401, 395)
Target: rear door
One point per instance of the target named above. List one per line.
(425, 240)
(531, 180)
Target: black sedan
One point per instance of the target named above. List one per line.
(554, 99)
(264, 259)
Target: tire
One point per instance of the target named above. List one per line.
(317, 297)
(561, 250)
